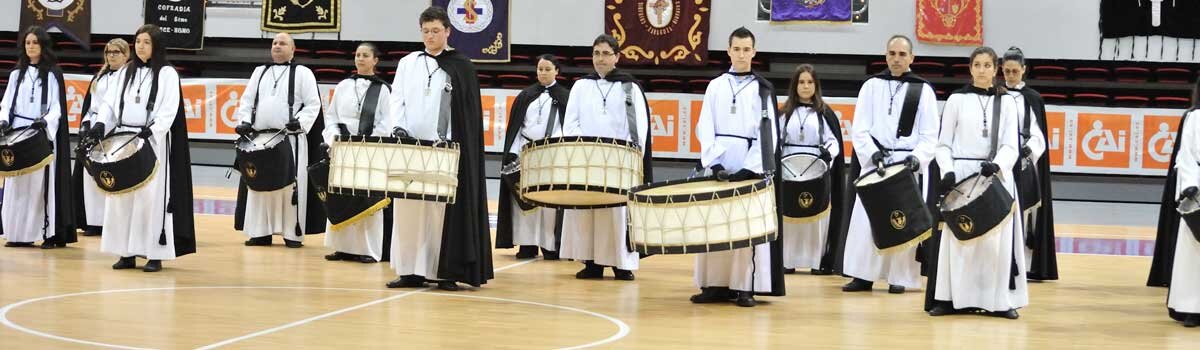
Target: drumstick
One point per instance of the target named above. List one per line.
(110, 153)
(273, 137)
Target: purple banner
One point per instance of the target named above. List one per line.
(810, 10)
(480, 28)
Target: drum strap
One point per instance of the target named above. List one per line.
(291, 94)
(554, 112)
(444, 112)
(12, 110)
(149, 102)
(995, 135)
(630, 113)
(765, 131)
(366, 116)
(820, 131)
(1025, 134)
(908, 113)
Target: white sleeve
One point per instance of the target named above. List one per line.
(381, 113)
(1007, 151)
(242, 115)
(860, 131)
(167, 106)
(706, 130)
(943, 151)
(1187, 162)
(643, 117)
(310, 97)
(829, 139)
(1037, 137)
(53, 109)
(331, 115)
(112, 98)
(6, 103)
(927, 126)
(396, 99)
(571, 122)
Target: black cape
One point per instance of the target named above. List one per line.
(1168, 222)
(77, 171)
(466, 254)
(179, 182)
(1040, 238)
(835, 242)
(778, 287)
(516, 119)
(314, 213)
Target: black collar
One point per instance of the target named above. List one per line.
(909, 77)
(972, 89)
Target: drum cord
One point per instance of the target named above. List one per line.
(162, 234)
(296, 184)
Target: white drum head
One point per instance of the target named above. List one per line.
(803, 167)
(110, 148)
(16, 136)
(261, 141)
(873, 177)
(966, 191)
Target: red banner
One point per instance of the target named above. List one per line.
(659, 32)
(950, 22)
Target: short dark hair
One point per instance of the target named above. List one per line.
(606, 39)
(902, 37)
(374, 49)
(1014, 54)
(553, 60)
(434, 13)
(742, 33)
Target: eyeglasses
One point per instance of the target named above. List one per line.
(113, 52)
(603, 53)
(1011, 71)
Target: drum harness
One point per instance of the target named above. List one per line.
(513, 167)
(995, 140)
(820, 133)
(12, 113)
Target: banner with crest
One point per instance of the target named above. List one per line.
(301, 16)
(72, 17)
(480, 28)
(950, 22)
(659, 32)
(811, 10)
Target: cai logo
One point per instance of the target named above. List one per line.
(1159, 133)
(664, 125)
(1103, 140)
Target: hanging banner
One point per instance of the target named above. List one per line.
(72, 17)
(181, 21)
(480, 28)
(811, 11)
(309, 16)
(659, 32)
(950, 22)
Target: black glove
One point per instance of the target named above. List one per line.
(95, 132)
(1026, 151)
(399, 132)
(343, 130)
(1188, 192)
(989, 168)
(744, 174)
(293, 125)
(877, 159)
(912, 163)
(84, 127)
(38, 123)
(825, 156)
(719, 172)
(244, 129)
(324, 148)
(948, 182)
(144, 132)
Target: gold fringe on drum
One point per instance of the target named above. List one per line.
(14, 173)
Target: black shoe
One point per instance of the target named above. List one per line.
(1192, 321)
(590, 271)
(549, 255)
(527, 252)
(52, 245)
(894, 289)
(820, 272)
(789, 271)
(125, 263)
(745, 299)
(408, 281)
(364, 259)
(858, 285)
(710, 295)
(941, 309)
(292, 244)
(259, 241)
(18, 244)
(1010, 314)
(92, 231)
(448, 286)
(337, 256)
(623, 275)
(152, 266)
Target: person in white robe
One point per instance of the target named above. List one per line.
(363, 239)
(731, 144)
(284, 211)
(877, 118)
(1183, 299)
(807, 131)
(986, 272)
(90, 210)
(596, 107)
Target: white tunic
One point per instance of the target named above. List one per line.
(597, 108)
(272, 212)
(417, 234)
(534, 227)
(366, 236)
(729, 135)
(872, 118)
(93, 197)
(976, 273)
(1184, 295)
(804, 243)
(133, 221)
(25, 211)
(1037, 146)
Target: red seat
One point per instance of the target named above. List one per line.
(1054, 99)
(928, 68)
(396, 54)
(330, 75)
(520, 59)
(1173, 75)
(876, 67)
(514, 81)
(1172, 102)
(485, 80)
(698, 85)
(1131, 101)
(8, 43)
(303, 52)
(95, 67)
(68, 45)
(582, 61)
(1048, 72)
(962, 70)
(1090, 73)
(1132, 74)
(332, 53)
(1089, 99)
(666, 85)
(71, 67)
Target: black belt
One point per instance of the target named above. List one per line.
(748, 139)
(805, 146)
(22, 117)
(975, 159)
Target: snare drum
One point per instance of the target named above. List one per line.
(24, 150)
(701, 215)
(1029, 185)
(372, 166)
(342, 210)
(976, 206)
(121, 162)
(266, 160)
(805, 189)
(580, 172)
(894, 206)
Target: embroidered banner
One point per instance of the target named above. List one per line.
(810, 10)
(73, 17)
(659, 32)
(950, 22)
(480, 28)
(182, 22)
(301, 16)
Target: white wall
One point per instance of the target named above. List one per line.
(1062, 29)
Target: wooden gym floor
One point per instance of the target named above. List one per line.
(231, 296)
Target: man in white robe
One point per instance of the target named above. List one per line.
(878, 111)
(1183, 299)
(265, 105)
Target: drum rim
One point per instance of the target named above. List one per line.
(447, 144)
(449, 199)
(761, 184)
(113, 134)
(574, 187)
(942, 202)
(885, 166)
(20, 129)
(764, 238)
(579, 138)
(824, 175)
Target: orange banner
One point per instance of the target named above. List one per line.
(1103, 140)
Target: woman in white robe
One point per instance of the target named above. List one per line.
(807, 131)
(116, 54)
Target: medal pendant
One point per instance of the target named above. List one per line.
(733, 109)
